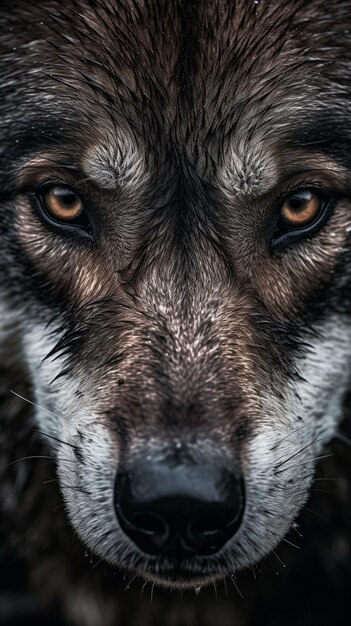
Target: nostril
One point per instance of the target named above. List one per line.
(208, 533)
(150, 524)
(147, 529)
(207, 525)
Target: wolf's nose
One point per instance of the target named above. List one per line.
(179, 509)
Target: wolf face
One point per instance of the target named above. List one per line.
(175, 241)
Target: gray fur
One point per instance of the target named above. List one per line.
(183, 126)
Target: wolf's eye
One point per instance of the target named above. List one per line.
(301, 208)
(301, 214)
(62, 209)
(63, 204)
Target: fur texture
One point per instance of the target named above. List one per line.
(175, 323)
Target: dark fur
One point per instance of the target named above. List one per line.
(188, 80)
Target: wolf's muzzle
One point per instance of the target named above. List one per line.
(179, 509)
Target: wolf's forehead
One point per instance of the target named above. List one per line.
(178, 75)
(174, 73)
(117, 160)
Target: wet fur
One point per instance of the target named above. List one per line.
(180, 311)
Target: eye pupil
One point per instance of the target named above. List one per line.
(64, 195)
(298, 200)
(67, 197)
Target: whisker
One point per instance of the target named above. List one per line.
(329, 493)
(26, 458)
(324, 456)
(232, 578)
(59, 506)
(34, 404)
(323, 517)
(65, 443)
(294, 527)
(291, 543)
(97, 562)
(307, 445)
(215, 590)
(79, 489)
(33, 429)
(332, 479)
(315, 458)
(131, 580)
(152, 591)
(279, 559)
(293, 432)
(225, 586)
(143, 587)
(343, 439)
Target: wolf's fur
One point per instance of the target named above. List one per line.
(182, 125)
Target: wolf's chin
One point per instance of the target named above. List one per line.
(178, 576)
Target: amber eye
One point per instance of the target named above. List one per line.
(63, 204)
(301, 208)
(302, 215)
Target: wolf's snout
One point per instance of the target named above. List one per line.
(181, 509)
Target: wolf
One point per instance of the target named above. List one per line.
(175, 327)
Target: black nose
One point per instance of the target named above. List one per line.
(180, 509)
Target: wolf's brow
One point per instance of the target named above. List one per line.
(115, 160)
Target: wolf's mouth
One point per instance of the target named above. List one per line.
(188, 572)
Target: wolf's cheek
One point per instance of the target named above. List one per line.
(285, 281)
(86, 473)
(324, 377)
